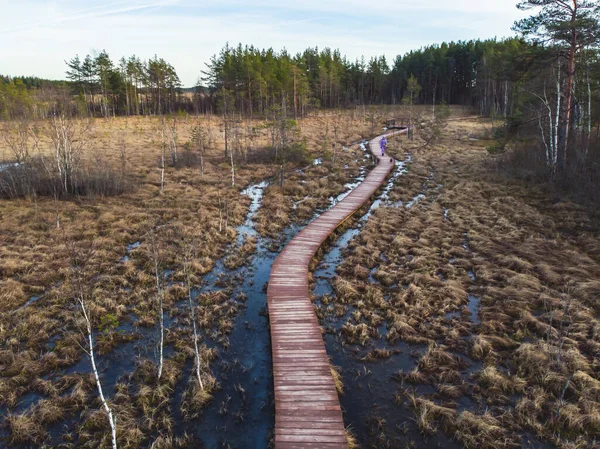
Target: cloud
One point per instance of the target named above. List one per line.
(187, 33)
(86, 14)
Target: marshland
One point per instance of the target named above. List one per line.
(458, 306)
(201, 244)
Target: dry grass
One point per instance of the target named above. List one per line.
(36, 259)
(528, 344)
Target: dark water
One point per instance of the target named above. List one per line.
(247, 364)
(245, 370)
(369, 403)
(241, 413)
(374, 402)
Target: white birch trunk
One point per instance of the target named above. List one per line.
(111, 418)
(232, 168)
(159, 291)
(56, 207)
(544, 141)
(193, 316)
(173, 143)
(162, 160)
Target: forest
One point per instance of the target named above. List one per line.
(520, 80)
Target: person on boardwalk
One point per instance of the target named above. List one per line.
(383, 144)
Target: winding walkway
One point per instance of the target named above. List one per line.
(307, 408)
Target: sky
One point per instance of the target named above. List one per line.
(36, 36)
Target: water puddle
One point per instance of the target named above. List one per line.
(26, 401)
(30, 301)
(530, 441)
(465, 242)
(473, 306)
(6, 166)
(415, 200)
(349, 187)
(36, 298)
(128, 250)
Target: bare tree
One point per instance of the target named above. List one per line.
(112, 419)
(21, 139)
(162, 158)
(199, 142)
(56, 209)
(413, 88)
(173, 142)
(232, 167)
(160, 298)
(69, 138)
(372, 117)
(123, 158)
(188, 277)
(223, 214)
(335, 136)
(226, 119)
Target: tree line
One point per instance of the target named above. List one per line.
(132, 87)
(452, 73)
(546, 78)
(96, 86)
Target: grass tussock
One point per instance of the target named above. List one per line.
(502, 275)
(110, 240)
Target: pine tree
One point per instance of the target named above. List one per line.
(570, 25)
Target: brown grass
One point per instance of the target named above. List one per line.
(36, 258)
(536, 330)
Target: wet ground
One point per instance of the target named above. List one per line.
(241, 413)
(371, 411)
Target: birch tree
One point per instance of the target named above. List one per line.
(160, 299)
(571, 25)
(21, 139)
(78, 260)
(188, 278)
(112, 419)
(89, 336)
(548, 118)
(162, 157)
(173, 142)
(69, 139)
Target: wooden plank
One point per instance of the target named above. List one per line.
(307, 408)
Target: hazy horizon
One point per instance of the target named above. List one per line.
(186, 34)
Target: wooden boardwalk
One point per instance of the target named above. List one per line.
(307, 408)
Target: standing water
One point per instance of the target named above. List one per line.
(370, 410)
